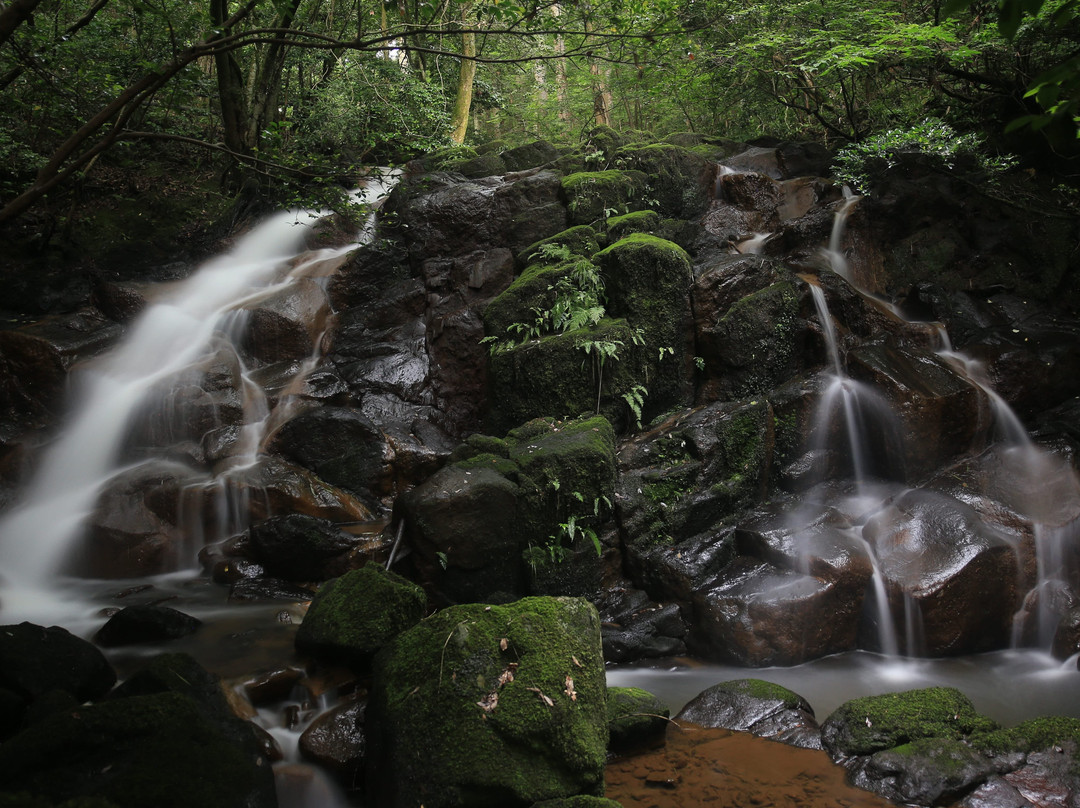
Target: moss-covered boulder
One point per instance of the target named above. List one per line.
(530, 155)
(866, 725)
(597, 195)
(161, 750)
(353, 616)
(492, 525)
(35, 660)
(636, 718)
(648, 282)
(640, 221)
(490, 706)
(680, 180)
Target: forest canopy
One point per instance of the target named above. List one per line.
(303, 91)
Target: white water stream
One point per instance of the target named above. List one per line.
(174, 336)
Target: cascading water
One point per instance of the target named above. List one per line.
(171, 342)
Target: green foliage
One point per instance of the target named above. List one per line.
(933, 137)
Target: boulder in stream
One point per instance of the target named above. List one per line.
(758, 707)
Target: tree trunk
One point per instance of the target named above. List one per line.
(15, 14)
(231, 95)
(459, 123)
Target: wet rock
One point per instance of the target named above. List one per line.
(927, 771)
(353, 616)
(134, 530)
(442, 215)
(335, 740)
(272, 686)
(35, 359)
(754, 614)
(271, 486)
(995, 792)
(648, 633)
(680, 179)
(761, 708)
(252, 589)
(286, 324)
(36, 660)
(936, 554)
(934, 403)
(493, 704)
(1067, 637)
(636, 718)
(531, 155)
(145, 624)
(300, 548)
(590, 194)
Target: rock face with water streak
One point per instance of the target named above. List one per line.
(490, 706)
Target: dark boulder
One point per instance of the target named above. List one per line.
(145, 624)
(297, 547)
(636, 718)
(335, 740)
(35, 660)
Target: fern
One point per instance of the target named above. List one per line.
(635, 399)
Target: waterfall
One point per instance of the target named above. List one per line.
(171, 342)
(1032, 481)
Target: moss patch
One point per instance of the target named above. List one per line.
(597, 195)
(353, 616)
(867, 725)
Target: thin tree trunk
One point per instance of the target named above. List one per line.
(15, 14)
(459, 123)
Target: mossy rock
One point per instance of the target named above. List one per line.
(352, 617)
(929, 771)
(447, 159)
(595, 195)
(605, 139)
(531, 155)
(680, 179)
(159, 750)
(640, 221)
(867, 725)
(757, 343)
(481, 525)
(560, 376)
(1035, 735)
(483, 165)
(579, 240)
(648, 282)
(532, 290)
(636, 718)
(490, 706)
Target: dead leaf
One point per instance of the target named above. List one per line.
(569, 690)
(505, 677)
(543, 698)
(576, 661)
(489, 702)
(504, 644)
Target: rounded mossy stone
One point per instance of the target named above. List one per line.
(483, 165)
(578, 240)
(518, 305)
(635, 718)
(929, 771)
(866, 725)
(640, 221)
(530, 155)
(159, 750)
(489, 706)
(352, 617)
(595, 195)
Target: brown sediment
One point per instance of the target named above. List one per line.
(724, 769)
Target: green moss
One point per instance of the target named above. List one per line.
(641, 221)
(1031, 736)
(756, 342)
(867, 725)
(490, 705)
(680, 179)
(596, 195)
(635, 717)
(579, 240)
(531, 291)
(767, 691)
(351, 617)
